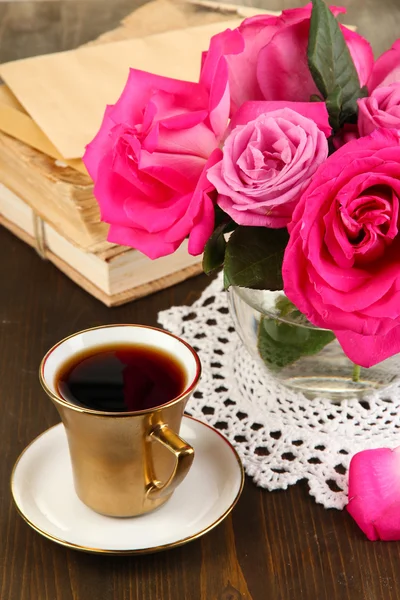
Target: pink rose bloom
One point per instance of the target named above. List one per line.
(149, 162)
(380, 109)
(268, 160)
(386, 70)
(341, 266)
(374, 493)
(266, 57)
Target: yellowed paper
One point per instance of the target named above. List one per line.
(66, 93)
(7, 98)
(20, 125)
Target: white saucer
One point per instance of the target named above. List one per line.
(43, 491)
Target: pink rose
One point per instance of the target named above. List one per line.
(386, 70)
(266, 57)
(380, 109)
(374, 493)
(149, 162)
(341, 265)
(268, 160)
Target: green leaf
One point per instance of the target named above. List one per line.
(226, 282)
(214, 252)
(347, 115)
(281, 344)
(330, 63)
(220, 216)
(253, 258)
(285, 308)
(334, 107)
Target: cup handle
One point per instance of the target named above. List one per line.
(184, 455)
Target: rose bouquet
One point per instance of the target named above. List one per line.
(289, 142)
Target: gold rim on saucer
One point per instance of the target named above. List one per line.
(149, 550)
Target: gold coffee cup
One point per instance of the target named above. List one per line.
(124, 463)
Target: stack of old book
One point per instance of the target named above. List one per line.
(50, 107)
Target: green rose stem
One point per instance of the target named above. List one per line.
(356, 373)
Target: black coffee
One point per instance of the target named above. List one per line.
(121, 378)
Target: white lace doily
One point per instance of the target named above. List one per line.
(281, 436)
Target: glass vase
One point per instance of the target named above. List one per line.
(302, 357)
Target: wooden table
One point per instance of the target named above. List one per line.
(274, 546)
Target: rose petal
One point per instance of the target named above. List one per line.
(198, 221)
(100, 144)
(199, 141)
(282, 67)
(223, 44)
(202, 227)
(386, 69)
(220, 100)
(369, 350)
(361, 53)
(374, 492)
(380, 110)
(316, 111)
(142, 86)
(151, 245)
(176, 171)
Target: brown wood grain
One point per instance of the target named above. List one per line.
(275, 545)
(278, 545)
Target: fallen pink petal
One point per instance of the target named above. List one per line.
(374, 493)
